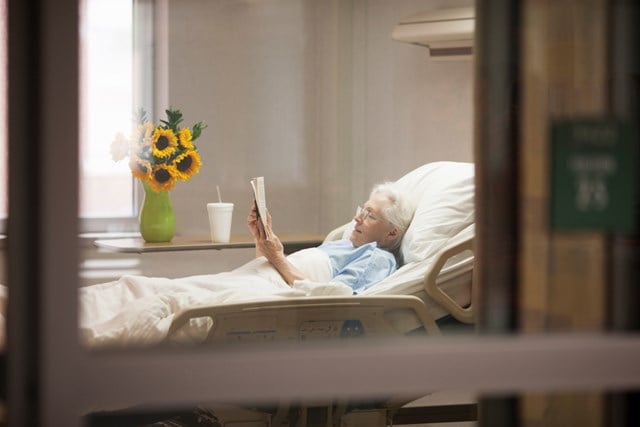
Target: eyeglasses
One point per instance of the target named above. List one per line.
(365, 214)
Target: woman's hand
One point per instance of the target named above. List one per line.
(253, 224)
(271, 249)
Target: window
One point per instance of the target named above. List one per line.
(112, 54)
(107, 52)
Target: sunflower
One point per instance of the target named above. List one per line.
(140, 168)
(164, 143)
(187, 164)
(162, 178)
(185, 139)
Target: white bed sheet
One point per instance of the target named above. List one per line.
(138, 310)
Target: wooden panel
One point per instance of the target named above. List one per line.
(564, 75)
(562, 275)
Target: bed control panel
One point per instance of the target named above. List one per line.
(321, 329)
(302, 323)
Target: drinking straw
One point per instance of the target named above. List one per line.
(219, 197)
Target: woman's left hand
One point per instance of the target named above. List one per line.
(273, 251)
(272, 248)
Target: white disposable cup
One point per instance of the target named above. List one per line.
(220, 215)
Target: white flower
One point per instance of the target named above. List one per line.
(147, 132)
(119, 147)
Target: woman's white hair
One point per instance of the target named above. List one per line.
(398, 211)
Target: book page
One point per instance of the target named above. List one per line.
(259, 195)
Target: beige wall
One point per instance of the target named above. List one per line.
(314, 95)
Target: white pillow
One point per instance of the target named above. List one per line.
(444, 196)
(443, 193)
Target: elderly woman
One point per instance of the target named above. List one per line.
(370, 253)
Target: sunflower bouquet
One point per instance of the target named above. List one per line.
(160, 155)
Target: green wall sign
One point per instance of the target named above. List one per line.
(593, 174)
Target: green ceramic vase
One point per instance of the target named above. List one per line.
(157, 219)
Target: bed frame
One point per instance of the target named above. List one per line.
(307, 319)
(311, 318)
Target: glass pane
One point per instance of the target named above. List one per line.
(322, 102)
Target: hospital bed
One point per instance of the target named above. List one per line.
(434, 282)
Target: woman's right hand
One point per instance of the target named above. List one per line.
(253, 223)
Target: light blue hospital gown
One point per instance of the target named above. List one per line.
(360, 267)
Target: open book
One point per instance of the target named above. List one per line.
(257, 184)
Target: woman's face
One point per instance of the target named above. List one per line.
(371, 226)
